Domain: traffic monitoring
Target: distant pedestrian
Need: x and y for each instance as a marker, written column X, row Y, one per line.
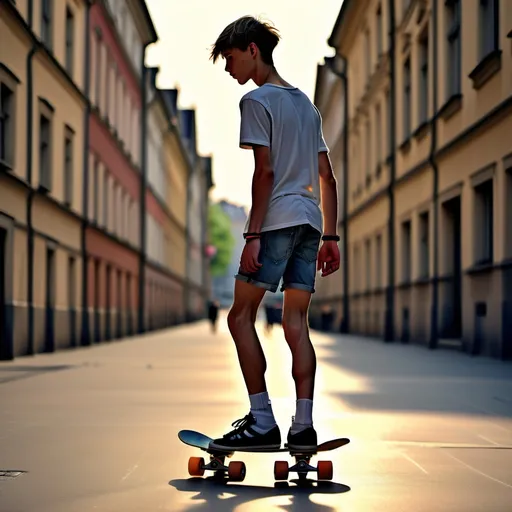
column 213, row 314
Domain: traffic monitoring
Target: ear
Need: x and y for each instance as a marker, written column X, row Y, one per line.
column 253, row 49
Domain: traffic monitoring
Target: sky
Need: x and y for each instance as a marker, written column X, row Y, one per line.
column 188, row 28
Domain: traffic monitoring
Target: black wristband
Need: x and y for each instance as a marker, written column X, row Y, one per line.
column 328, row 238
column 252, row 235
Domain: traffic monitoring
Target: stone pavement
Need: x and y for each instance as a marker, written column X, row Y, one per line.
column 95, row 428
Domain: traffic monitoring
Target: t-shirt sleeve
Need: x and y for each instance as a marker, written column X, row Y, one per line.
column 255, row 124
column 322, row 146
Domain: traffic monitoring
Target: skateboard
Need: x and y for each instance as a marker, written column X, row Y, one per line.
column 236, row 470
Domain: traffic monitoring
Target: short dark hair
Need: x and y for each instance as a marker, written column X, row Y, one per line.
column 244, row 31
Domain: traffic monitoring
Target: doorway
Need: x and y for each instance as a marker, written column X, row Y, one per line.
column 4, row 349
column 452, row 300
column 50, row 301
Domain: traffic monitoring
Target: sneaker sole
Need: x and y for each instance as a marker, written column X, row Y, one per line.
column 259, row 448
column 297, row 448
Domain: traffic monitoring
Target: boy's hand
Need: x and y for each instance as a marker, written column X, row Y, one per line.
column 328, row 258
column 249, row 259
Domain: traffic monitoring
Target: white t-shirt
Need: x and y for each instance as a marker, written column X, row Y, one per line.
column 286, row 121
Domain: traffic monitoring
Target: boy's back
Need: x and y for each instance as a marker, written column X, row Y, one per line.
column 285, row 120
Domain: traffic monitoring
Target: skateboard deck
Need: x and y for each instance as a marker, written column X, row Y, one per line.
column 236, row 470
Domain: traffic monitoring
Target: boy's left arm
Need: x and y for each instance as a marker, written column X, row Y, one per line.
column 255, row 134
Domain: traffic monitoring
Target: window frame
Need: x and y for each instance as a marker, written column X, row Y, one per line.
column 69, row 41
column 45, row 110
column 68, row 168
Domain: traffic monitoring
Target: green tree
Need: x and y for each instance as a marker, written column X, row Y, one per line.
column 221, row 237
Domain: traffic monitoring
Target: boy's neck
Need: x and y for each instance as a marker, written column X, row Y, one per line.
column 269, row 75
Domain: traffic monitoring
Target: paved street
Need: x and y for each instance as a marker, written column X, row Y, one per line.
column 95, row 429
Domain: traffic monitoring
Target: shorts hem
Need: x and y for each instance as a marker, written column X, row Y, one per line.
column 260, row 284
column 298, row 286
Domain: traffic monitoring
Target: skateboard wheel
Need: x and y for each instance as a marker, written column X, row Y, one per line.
column 324, row 470
column 236, row 471
column 281, row 470
column 195, row 466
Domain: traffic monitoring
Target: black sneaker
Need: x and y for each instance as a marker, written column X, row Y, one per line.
column 244, row 437
column 304, row 440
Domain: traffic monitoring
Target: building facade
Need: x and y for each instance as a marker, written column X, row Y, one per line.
column 169, row 171
column 89, row 247
column 43, row 109
column 118, row 35
column 199, row 184
column 417, row 105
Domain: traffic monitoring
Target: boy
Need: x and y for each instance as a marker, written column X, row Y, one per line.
column 292, row 168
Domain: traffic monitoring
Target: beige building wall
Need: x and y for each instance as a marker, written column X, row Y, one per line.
column 177, row 172
column 56, row 169
column 471, row 152
column 14, row 47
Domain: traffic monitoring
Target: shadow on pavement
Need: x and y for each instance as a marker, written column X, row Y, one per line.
column 8, row 373
column 397, row 377
column 217, row 492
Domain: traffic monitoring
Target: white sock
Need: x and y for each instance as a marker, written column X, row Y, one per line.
column 303, row 416
column 261, row 409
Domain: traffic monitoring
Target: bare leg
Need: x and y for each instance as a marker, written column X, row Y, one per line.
column 241, row 320
column 296, row 331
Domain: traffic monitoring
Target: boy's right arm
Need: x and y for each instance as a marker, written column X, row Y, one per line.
column 329, row 194
column 329, row 255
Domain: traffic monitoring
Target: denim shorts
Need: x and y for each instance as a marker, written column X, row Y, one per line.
column 289, row 254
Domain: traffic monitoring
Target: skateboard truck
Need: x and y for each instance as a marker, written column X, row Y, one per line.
column 302, row 466
column 236, row 469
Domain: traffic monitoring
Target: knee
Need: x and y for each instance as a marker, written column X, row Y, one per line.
column 239, row 318
column 294, row 324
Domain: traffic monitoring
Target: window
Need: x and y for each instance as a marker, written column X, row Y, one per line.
column 368, row 56
column 424, row 262
column 68, row 166
column 46, row 22
column 378, row 261
column 106, row 188
column 45, row 176
column 488, row 27
column 388, row 123
column 407, row 100
column 379, row 31
column 484, row 222
column 107, row 83
column 454, row 61
column 114, row 207
column 6, row 125
column 378, row 134
column 113, row 96
column 406, row 251
column 95, row 192
column 423, row 79
column 70, row 39
column 131, row 221
column 369, row 153
column 122, row 218
column 119, row 108
column 368, row 262
column 97, row 85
